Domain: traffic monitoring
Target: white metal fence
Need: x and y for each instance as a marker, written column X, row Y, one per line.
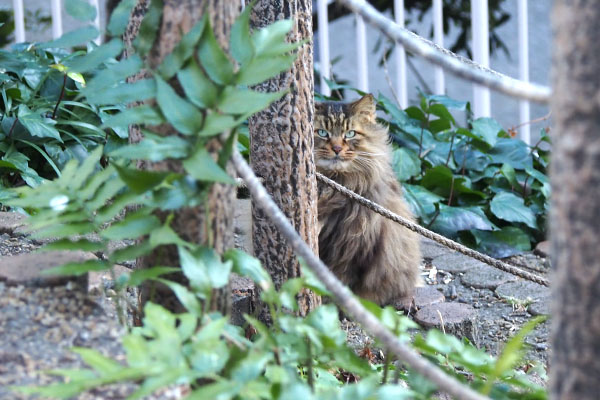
column 480, row 46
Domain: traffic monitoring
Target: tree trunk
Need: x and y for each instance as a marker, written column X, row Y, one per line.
column 211, row 224
column 281, row 141
column 575, row 215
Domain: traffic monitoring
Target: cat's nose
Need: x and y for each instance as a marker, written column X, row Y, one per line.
column 336, row 148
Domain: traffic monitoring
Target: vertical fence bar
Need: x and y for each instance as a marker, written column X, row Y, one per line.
column 400, row 57
column 56, row 10
column 323, row 45
column 524, row 113
column 96, row 4
column 19, row 21
column 438, row 37
column 481, row 54
column 361, row 52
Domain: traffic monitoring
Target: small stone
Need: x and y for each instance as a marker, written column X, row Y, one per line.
column 522, row 290
column 542, row 249
column 26, row 269
column 427, row 295
column 486, row 277
column 456, row 263
column 458, row 319
column 431, row 249
column 10, row 221
column 540, row 307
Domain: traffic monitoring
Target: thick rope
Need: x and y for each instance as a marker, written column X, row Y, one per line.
column 432, row 235
column 459, row 66
column 342, row 295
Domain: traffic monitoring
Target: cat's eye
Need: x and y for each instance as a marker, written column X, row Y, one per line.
column 350, row 134
column 322, row 133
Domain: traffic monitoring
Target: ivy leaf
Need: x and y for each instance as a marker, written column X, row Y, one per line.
column 421, row 201
column 81, row 10
column 36, row 125
column 245, row 101
column 487, row 129
column 204, row 168
column 405, row 163
column 197, row 87
column 512, row 151
column 441, row 111
column 502, row 243
column 213, row 59
column 511, row 208
column 182, row 115
column 452, row 220
column 509, row 173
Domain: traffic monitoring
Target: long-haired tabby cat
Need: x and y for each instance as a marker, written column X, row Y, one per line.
column 376, row 257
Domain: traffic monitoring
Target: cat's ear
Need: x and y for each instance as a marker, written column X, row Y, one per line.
column 365, row 107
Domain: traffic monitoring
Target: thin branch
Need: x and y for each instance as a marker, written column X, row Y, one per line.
column 453, row 63
column 342, row 295
column 62, row 93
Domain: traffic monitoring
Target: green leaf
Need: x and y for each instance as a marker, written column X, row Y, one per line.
column 440, row 180
column 251, row 367
column 269, row 40
column 36, row 125
column 142, row 114
column 140, row 275
column 81, row 244
column 213, row 59
column 241, row 45
column 503, row 243
column 218, row 123
column 96, row 57
column 73, row 38
column 80, row 9
column 246, row 265
column 197, row 87
column 132, row 227
column 405, row 163
column 113, row 74
column 451, row 220
column 166, row 235
column 154, row 148
column 511, row 208
column 124, row 93
column 148, row 28
column 86, row 168
column 194, row 269
column 97, row 361
column 421, row 201
column 246, row 101
column 182, row 115
column 78, row 268
column 186, row 297
column 120, row 17
column 203, row 167
column 511, row 353
column 509, row 173
column 183, row 51
column 441, row 111
column 487, row 129
column 139, row 180
column 512, row 151
column 448, row 102
column 262, row 68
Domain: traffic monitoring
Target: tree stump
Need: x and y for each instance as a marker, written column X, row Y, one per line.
column 457, row 319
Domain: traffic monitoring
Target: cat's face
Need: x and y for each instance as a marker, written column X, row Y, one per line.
column 347, row 135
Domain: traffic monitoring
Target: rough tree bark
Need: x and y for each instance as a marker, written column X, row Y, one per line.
column 575, row 215
column 281, row 140
column 212, row 223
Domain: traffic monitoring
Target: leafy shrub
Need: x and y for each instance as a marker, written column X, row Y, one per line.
column 297, row 357
column 45, row 118
column 475, row 184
